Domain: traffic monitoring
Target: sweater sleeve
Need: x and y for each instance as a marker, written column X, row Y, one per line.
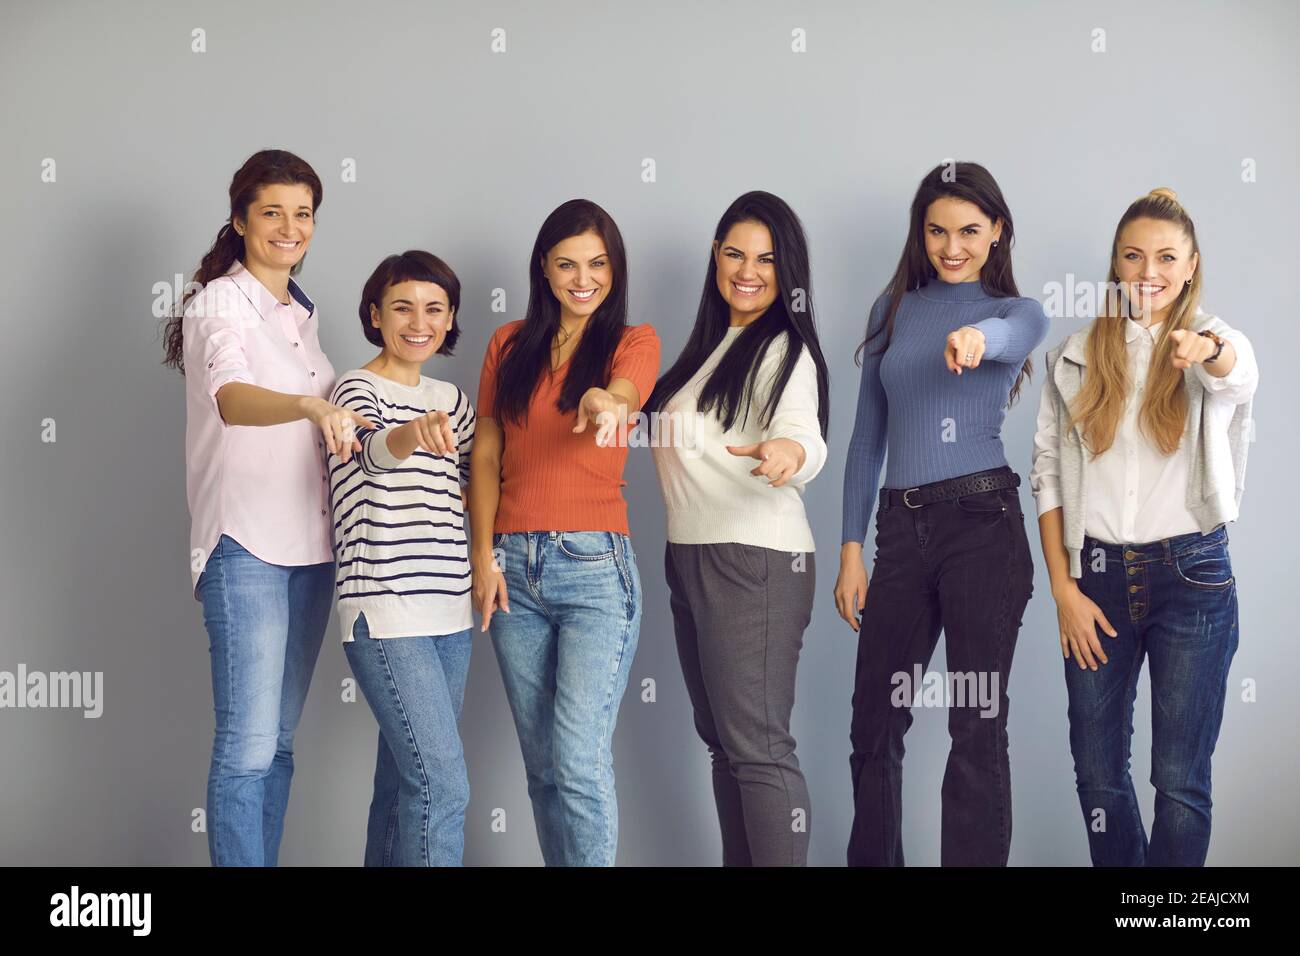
column 1013, row 338
column 1045, row 475
column 463, row 420
column 357, row 394
column 796, row 416
column 867, row 446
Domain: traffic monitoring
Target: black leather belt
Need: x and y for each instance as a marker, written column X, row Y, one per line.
column 972, row 484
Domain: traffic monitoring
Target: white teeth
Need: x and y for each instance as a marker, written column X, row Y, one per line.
column 953, row 262
column 416, row 339
column 747, row 289
column 582, row 295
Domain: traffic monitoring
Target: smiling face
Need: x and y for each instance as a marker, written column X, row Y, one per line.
column 278, row 227
column 746, row 267
column 580, row 274
column 1153, row 262
column 958, row 237
column 413, row 319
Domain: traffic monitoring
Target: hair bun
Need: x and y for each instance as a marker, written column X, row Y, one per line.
column 1165, row 193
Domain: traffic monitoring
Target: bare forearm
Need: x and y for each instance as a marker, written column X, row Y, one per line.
column 402, row 440
column 1227, row 361
column 484, row 496
column 245, row 404
column 1051, row 530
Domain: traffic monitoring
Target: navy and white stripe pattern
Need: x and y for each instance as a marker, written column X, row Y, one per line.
column 401, row 553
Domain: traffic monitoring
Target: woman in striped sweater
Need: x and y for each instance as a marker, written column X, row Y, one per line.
column 403, row 564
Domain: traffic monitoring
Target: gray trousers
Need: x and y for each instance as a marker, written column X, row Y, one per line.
column 739, row 613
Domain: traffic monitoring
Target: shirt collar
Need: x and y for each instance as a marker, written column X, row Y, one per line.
column 1132, row 330
column 262, row 298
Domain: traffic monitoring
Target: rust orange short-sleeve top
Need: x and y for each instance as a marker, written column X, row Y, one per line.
column 551, row 478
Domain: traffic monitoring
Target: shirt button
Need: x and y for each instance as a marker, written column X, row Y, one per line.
column 322, row 512
column 295, row 344
column 313, row 374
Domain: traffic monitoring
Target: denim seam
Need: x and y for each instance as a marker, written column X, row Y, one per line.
column 229, row 684
column 1004, row 631
column 419, row 759
column 606, row 754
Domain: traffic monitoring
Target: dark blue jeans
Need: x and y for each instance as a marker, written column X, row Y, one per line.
column 962, row 566
column 1175, row 603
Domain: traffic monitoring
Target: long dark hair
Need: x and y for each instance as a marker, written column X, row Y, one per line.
column 265, row 168
column 974, row 184
column 526, row 354
column 730, row 387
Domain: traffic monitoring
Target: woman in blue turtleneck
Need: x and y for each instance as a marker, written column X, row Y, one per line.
column 947, row 349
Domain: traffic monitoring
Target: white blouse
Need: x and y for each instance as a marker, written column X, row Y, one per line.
column 1135, row 494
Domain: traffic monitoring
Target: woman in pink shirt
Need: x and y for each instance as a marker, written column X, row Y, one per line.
column 257, row 429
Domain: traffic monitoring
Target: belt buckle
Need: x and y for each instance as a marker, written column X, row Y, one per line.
column 908, row 492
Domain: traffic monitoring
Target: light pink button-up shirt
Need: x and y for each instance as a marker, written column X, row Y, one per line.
column 265, row 486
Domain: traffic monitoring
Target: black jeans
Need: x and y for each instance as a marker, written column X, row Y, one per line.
column 962, row 565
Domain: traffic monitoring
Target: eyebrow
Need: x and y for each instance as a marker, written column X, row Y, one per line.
column 1165, row 249
column 409, row 302
column 603, row 255
column 969, row 225
column 742, row 251
column 276, row 205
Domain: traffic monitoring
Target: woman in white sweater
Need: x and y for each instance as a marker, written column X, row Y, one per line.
column 738, row 429
column 1139, row 463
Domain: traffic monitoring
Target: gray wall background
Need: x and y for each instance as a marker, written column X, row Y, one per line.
column 463, row 152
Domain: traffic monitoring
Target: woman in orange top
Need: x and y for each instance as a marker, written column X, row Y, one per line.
column 555, row 577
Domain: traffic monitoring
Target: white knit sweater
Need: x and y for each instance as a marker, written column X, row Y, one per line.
column 709, row 493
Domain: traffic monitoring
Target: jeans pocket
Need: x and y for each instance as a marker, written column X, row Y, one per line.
column 1209, row 569
column 587, row 545
column 984, row 502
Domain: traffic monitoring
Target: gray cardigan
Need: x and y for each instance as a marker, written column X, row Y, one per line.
column 1209, row 504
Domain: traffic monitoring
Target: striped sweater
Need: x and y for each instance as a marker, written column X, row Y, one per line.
column 399, row 524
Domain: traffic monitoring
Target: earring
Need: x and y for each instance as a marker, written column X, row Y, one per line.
column 995, row 243
column 1188, row 282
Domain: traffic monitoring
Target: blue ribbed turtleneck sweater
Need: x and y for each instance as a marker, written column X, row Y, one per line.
column 935, row 424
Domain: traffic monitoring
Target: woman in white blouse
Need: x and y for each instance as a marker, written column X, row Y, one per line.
column 1139, row 463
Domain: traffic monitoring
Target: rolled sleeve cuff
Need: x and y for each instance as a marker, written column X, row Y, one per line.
column 1047, row 497
column 377, row 451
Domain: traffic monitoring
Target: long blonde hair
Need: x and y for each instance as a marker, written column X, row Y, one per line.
column 1104, row 393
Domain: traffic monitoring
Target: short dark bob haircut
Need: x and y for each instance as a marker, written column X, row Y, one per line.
column 414, row 265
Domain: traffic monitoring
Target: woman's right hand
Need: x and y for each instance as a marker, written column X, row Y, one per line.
column 851, row 585
column 1078, row 616
column 489, row 587
column 337, row 425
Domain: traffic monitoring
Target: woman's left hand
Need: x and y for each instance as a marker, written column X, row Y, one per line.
column 966, row 341
column 602, row 409
column 779, row 458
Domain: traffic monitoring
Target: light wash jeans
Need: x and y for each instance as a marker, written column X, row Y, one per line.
column 265, row 623
column 415, row 687
column 565, row 650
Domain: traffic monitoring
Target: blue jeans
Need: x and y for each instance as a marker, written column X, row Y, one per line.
column 265, row 623
column 565, row 650
column 1174, row 602
column 415, row 687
